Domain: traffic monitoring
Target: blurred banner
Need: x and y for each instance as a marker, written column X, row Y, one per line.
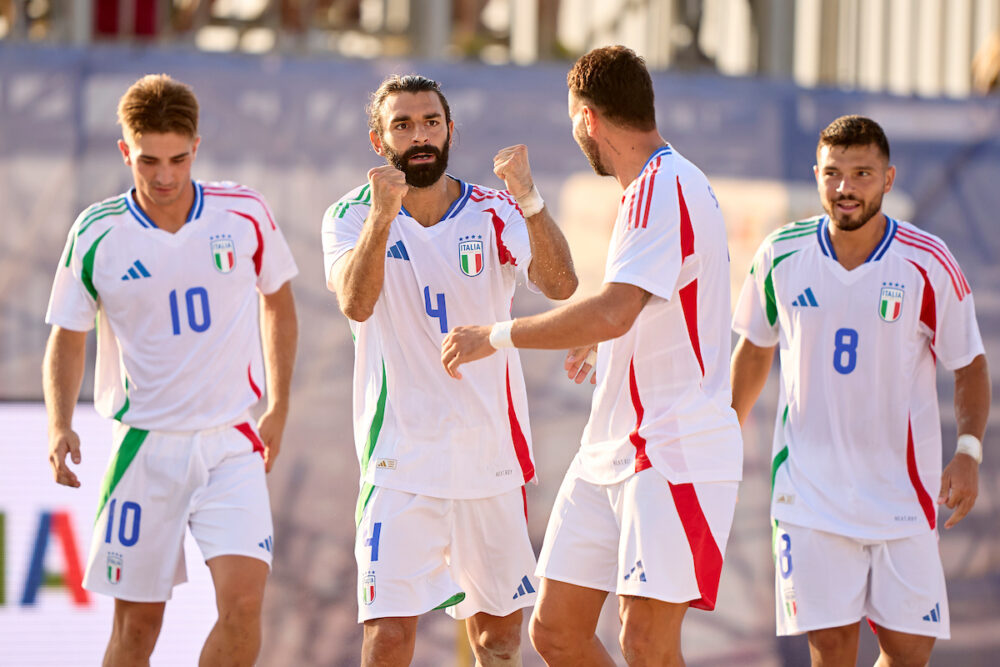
column 296, row 130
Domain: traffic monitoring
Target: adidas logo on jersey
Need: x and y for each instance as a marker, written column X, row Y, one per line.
column 524, row 588
column 934, row 616
column 806, row 299
column 267, row 544
column 136, row 271
column 398, row 250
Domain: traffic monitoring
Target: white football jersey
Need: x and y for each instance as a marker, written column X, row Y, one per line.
column 178, row 339
column 857, row 439
column 663, row 395
column 416, row 428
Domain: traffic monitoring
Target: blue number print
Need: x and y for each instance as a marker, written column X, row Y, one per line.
column 785, row 556
column 128, row 523
column 845, row 342
column 197, row 321
column 440, row 312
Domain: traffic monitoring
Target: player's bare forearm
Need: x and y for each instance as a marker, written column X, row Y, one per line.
column 280, row 336
column 551, row 265
column 608, row 314
column 750, row 367
column 972, row 397
column 360, row 273
column 62, row 374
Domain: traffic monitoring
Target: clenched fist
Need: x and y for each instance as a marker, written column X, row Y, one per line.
column 511, row 166
column 388, row 189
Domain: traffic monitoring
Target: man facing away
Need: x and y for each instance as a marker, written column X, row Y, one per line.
column 646, row 506
column 863, row 307
column 171, row 271
column 441, row 517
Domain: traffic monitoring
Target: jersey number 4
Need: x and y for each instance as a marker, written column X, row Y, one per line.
column 196, row 306
column 441, row 313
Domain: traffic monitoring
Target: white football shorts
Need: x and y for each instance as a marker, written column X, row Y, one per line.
column 642, row 536
column 158, row 484
column 824, row 580
column 417, row 553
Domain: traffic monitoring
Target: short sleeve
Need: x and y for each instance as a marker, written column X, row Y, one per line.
column 71, row 304
column 751, row 318
column 957, row 339
column 341, row 229
column 646, row 245
column 513, row 240
column 277, row 264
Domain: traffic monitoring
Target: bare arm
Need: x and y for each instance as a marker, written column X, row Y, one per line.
column 606, row 315
column 357, row 277
column 750, row 367
column 960, row 479
column 551, row 265
column 279, row 329
column 62, row 374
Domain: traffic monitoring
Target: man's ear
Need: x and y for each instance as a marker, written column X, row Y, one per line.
column 376, row 142
column 123, row 149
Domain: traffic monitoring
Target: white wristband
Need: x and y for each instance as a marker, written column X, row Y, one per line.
column 969, row 444
column 531, row 203
column 500, row 334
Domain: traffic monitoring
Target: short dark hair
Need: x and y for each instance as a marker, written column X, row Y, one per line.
column 158, row 104
column 616, row 81
column 854, row 131
column 411, row 83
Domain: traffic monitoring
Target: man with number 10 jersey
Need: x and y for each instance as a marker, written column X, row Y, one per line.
column 170, row 273
column 441, row 514
column 862, row 308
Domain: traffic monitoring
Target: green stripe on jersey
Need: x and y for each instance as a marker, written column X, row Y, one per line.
column 771, row 303
column 121, row 413
column 364, row 197
column 87, row 276
column 119, row 464
column 452, row 601
column 779, row 458
column 794, row 231
column 366, row 456
column 102, row 211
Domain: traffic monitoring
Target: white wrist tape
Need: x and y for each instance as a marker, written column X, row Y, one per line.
column 500, row 334
column 591, row 358
column 969, row 444
column 531, row 203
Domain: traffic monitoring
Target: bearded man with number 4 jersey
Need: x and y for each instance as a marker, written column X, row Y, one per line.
column 862, row 307
column 645, row 509
column 171, row 271
column 441, row 514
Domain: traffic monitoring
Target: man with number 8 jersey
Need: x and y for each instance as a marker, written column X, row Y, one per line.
column 863, row 308
column 415, row 251
column 170, row 273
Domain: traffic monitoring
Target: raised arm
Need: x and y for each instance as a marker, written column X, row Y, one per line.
column 62, row 374
column 357, row 277
column 960, row 479
column 551, row 267
column 279, row 332
column 606, row 315
column 750, row 367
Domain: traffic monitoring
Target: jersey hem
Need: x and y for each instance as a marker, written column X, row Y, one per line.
column 752, row 336
column 446, row 495
column 642, row 283
column 822, row 526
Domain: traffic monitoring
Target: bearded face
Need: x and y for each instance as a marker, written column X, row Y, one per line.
column 423, row 165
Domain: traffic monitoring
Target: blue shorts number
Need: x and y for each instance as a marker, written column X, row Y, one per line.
column 198, row 321
column 440, row 312
column 845, row 350
column 128, row 523
column 785, row 556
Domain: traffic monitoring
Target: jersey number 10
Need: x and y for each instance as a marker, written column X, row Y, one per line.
column 198, row 316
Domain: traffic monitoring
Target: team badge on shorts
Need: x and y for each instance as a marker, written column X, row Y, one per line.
column 368, row 588
column 890, row 302
column 114, row 567
column 223, row 253
column 470, row 255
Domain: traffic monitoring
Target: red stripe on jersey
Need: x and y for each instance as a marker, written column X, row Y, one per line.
column 911, row 467
column 502, row 251
column 633, row 213
column 524, row 498
column 258, row 254
column 928, row 309
column 639, row 442
column 704, row 551
column 649, row 193
column 245, row 193
column 253, row 385
column 517, row 436
column 689, row 293
column 957, row 279
column 248, row 431
column 945, row 255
